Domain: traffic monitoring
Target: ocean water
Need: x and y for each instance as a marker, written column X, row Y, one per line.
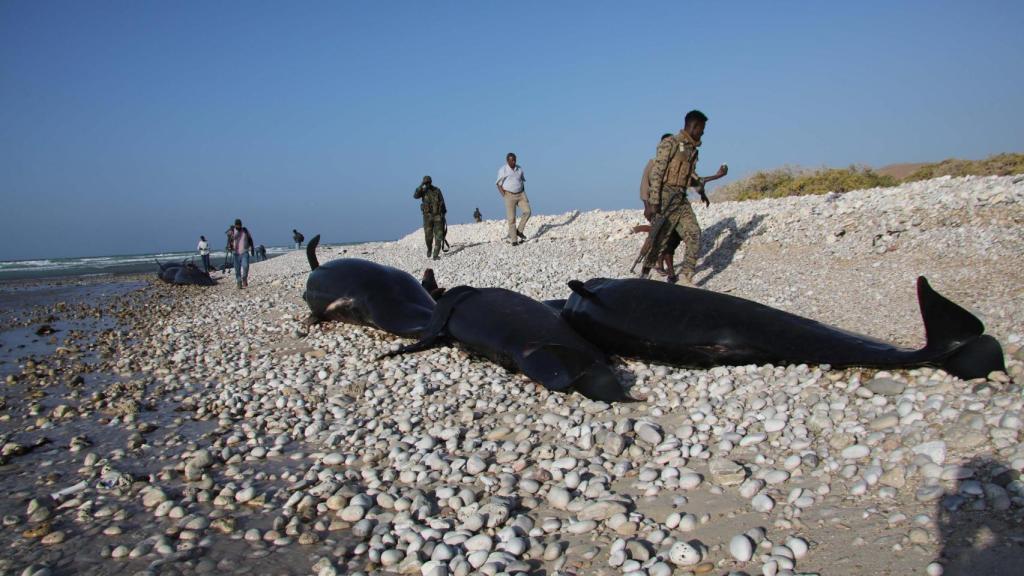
column 105, row 265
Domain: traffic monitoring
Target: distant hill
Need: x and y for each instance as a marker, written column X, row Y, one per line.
column 795, row 181
column 901, row 171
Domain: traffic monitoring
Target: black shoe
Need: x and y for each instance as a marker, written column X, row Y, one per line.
column 437, row 257
column 521, row 235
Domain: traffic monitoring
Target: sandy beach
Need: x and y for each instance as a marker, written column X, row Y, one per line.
column 166, row 430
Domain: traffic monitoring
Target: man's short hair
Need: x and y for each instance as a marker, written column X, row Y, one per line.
column 695, row 116
column 666, row 135
column 510, row 155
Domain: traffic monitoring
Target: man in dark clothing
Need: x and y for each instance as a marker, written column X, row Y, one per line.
column 434, row 210
column 477, row 215
column 298, row 238
column 229, row 250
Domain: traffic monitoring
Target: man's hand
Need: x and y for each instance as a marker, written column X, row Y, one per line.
column 704, row 197
column 650, row 211
column 722, row 170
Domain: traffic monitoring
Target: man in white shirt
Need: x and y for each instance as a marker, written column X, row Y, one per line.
column 512, row 187
column 204, row 253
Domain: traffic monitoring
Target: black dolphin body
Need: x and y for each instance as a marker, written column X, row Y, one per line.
column 663, row 322
column 184, row 274
column 521, row 334
column 361, row 292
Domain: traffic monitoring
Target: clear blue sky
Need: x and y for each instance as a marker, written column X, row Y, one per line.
column 136, row 126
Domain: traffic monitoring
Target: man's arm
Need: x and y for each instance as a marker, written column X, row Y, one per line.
column 722, row 171
column 501, row 178
column 418, row 193
column 658, row 173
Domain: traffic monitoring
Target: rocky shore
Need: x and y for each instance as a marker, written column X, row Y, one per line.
column 211, row 431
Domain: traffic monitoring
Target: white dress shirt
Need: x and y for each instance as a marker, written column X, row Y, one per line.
column 511, row 180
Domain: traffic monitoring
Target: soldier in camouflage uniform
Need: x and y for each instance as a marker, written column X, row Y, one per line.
column 673, row 171
column 434, row 210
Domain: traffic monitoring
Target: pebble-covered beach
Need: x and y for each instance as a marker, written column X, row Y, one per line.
column 211, row 431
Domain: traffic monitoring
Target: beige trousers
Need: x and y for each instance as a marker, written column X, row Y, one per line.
column 511, row 202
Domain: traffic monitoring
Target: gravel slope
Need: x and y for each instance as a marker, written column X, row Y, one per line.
column 282, row 449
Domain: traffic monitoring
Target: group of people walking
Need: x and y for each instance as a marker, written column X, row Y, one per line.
column 666, row 179
column 511, row 185
column 239, row 250
column 663, row 187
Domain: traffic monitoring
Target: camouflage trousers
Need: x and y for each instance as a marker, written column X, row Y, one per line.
column 680, row 226
column 433, row 233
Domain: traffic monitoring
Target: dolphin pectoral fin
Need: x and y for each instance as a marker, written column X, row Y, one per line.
column 600, row 382
column 561, row 368
column 425, row 344
column 956, row 336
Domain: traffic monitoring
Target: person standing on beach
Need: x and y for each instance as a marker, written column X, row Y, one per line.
column 243, row 243
column 298, row 238
column 477, row 216
column 434, row 210
column 645, row 186
column 511, row 185
column 673, row 171
column 204, row 253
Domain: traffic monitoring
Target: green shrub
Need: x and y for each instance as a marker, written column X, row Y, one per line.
column 796, row 182
column 998, row 165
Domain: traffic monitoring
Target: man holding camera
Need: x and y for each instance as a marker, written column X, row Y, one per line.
column 434, row 210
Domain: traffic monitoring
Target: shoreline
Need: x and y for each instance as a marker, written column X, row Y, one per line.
column 222, row 434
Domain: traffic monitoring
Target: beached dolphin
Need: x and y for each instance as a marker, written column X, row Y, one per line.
column 663, row 322
column 184, row 274
column 361, row 292
column 521, row 334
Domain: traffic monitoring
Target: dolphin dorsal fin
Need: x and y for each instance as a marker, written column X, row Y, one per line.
column 311, row 253
column 578, row 287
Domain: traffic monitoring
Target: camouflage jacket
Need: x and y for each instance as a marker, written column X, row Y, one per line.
column 674, row 166
column 432, row 200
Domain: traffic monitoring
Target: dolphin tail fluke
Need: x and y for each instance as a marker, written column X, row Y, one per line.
column 578, row 287
column 957, row 336
column 311, row 253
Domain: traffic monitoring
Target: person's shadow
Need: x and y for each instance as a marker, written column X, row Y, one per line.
column 722, row 251
column 548, row 227
column 980, row 528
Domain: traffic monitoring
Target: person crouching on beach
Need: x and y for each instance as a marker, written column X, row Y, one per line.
column 204, row 253
column 242, row 240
